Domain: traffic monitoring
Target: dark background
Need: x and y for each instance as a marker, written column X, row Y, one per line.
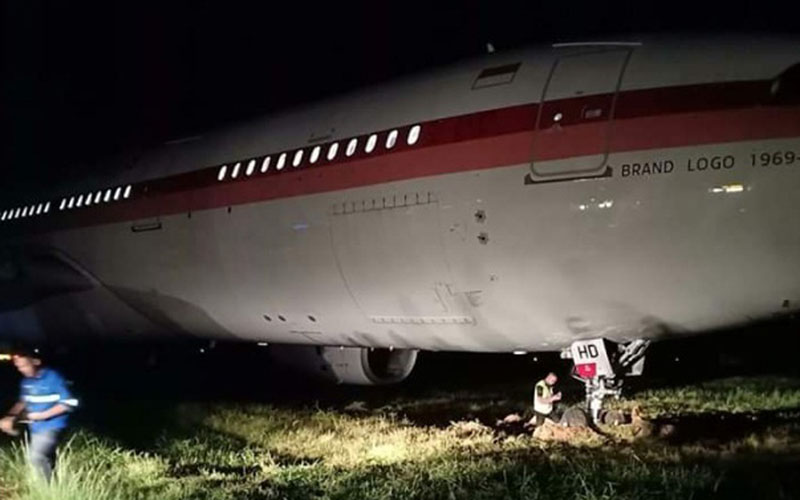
column 82, row 81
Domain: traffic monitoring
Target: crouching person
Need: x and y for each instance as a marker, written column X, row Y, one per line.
column 45, row 403
column 545, row 399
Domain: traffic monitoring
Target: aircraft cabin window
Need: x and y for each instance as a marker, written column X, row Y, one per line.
column 3, row 217
column 413, row 135
column 371, row 142
column 127, row 193
column 281, row 161
column 39, row 209
column 332, row 150
column 250, row 168
column 315, row 154
column 47, row 207
column 298, row 157
column 107, row 196
column 265, row 164
column 71, row 202
column 222, row 171
column 25, row 211
column 63, row 204
column 98, row 196
column 235, row 172
column 88, row 199
column 79, row 203
column 117, row 193
column 391, row 139
column 351, row 147
column 17, row 213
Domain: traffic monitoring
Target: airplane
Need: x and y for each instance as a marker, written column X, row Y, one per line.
column 587, row 198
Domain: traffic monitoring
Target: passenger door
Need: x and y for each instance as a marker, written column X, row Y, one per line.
column 573, row 125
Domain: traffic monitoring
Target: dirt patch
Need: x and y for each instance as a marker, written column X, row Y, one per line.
column 468, row 428
column 553, row 432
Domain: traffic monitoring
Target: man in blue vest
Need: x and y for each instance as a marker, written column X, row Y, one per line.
column 45, row 403
column 544, row 398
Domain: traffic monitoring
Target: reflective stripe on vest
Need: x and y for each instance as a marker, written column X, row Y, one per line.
column 547, row 392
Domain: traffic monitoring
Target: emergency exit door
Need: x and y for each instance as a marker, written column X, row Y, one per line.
column 573, row 126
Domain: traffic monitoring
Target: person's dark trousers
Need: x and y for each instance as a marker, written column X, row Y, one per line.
column 554, row 415
column 42, row 452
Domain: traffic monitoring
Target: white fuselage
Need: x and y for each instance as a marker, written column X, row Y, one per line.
column 661, row 201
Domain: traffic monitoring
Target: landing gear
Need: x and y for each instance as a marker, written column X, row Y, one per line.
column 602, row 365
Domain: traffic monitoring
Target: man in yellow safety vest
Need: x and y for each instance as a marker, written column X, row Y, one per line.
column 544, row 398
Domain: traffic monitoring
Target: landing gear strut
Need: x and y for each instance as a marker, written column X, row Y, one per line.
column 602, row 365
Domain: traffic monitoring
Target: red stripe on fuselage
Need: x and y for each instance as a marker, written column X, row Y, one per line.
column 645, row 119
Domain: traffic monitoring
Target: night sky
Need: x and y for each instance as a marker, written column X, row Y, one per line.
column 84, row 81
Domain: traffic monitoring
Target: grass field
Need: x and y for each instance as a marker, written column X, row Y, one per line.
column 731, row 438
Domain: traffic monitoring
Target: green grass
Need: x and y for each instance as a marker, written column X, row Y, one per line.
column 265, row 452
column 732, row 395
